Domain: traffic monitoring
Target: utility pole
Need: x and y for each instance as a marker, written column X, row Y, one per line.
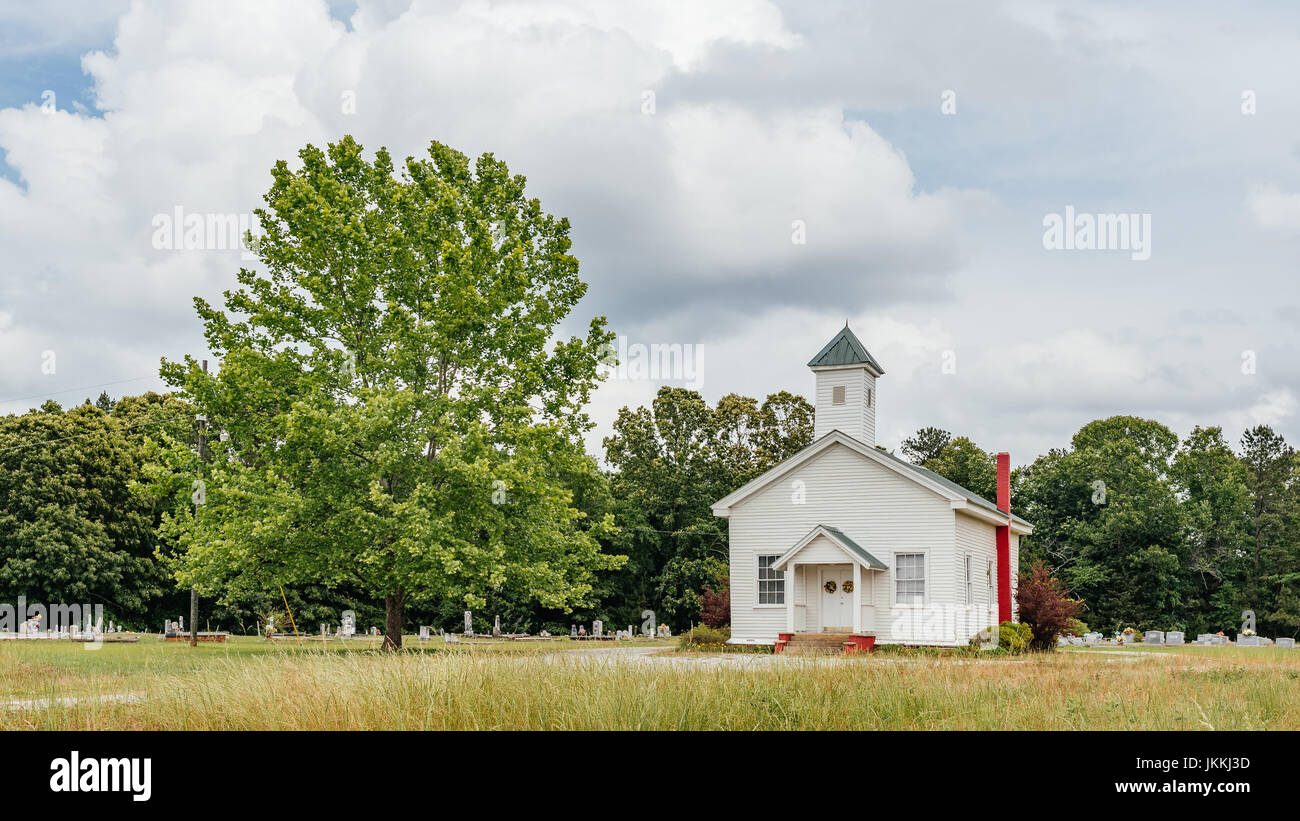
column 194, row 591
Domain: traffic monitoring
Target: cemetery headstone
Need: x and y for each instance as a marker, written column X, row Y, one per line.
column 573, row 631
column 349, row 625
column 424, row 632
column 469, row 623
column 1154, row 637
column 1205, row 638
column 597, row 628
column 1286, row 643
column 496, row 626
column 1175, row 637
column 1249, row 641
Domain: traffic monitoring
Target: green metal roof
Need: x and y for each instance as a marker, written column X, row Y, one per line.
column 855, row 547
column 845, row 349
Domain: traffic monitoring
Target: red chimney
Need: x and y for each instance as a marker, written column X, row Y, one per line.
column 1004, row 538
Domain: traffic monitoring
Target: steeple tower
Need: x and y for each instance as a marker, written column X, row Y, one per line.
column 846, row 388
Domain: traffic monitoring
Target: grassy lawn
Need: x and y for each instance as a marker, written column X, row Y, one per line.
column 251, row 684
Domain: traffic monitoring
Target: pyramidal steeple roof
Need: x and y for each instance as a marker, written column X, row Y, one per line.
column 845, row 349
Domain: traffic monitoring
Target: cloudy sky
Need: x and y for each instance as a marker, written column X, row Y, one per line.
column 917, row 150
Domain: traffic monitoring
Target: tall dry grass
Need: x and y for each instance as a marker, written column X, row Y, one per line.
column 1239, row 689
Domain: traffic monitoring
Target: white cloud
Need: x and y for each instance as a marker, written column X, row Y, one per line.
column 1274, row 209
column 683, row 218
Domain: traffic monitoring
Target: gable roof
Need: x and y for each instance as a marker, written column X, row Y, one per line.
column 845, row 349
column 855, row 550
column 955, row 493
column 970, row 496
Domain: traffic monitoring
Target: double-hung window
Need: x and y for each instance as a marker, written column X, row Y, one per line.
column 909, row 578
column 771, row 583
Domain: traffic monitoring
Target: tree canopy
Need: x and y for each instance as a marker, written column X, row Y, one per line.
column 392, row 408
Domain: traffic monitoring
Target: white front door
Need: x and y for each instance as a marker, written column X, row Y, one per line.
column 836, row 602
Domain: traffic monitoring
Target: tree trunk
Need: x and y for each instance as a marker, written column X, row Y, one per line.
column 393, row 608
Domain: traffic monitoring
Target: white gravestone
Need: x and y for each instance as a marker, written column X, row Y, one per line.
column 469, row 623
column 496, row 626
column 1154, row 637
column 597, row 628
column 424, row 632
column 1285, row 643
column 1175, row 637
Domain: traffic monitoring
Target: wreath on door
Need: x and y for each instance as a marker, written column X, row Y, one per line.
column 829, row 587
column 848, row 586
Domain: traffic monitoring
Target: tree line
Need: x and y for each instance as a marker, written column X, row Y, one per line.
column 1147, row 530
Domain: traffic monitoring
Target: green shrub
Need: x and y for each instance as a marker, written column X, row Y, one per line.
column 701, row 636
column 1014, row 637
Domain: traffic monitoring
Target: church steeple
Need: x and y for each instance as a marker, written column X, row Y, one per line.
column 846, row 388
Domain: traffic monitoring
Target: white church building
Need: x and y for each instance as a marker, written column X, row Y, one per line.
column 845, row 540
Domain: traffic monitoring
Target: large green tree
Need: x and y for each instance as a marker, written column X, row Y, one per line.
column 1212, row 486
column 1109, row 520
column 1272, row 545
column 73, row 527
column 393, row 411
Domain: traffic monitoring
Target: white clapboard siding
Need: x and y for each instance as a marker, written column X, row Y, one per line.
column 857, row 416
column 978, row 539
column 879, row 509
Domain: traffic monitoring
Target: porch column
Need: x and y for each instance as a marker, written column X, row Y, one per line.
column 857, row 598
column 789, row 597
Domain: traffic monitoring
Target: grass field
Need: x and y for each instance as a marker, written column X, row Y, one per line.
column 250, row 684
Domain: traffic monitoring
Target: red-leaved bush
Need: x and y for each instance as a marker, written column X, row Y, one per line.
column 1045, row 605
column 715, row 604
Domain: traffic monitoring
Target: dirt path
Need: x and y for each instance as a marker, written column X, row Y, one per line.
column 71, row 701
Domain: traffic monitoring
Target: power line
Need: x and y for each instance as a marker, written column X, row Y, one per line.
column 74, row 390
